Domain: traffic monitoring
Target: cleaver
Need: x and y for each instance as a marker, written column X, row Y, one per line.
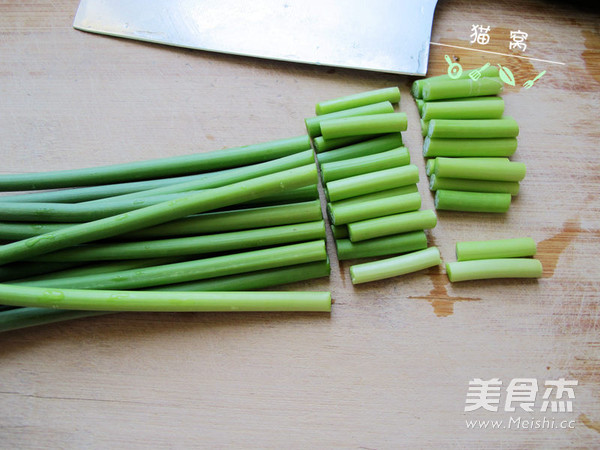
column 379, row 35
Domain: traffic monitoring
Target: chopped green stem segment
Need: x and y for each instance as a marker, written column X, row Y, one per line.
column 461, row 184
column 190, row 246
column 448, row 89
column 491, row 202
column 361, row 125
column 222, row 301
column 243, row 219
column 255, row 280
column 497, row 169
column 323, row 145
column 372, row 182
column 424, row 127
column 390, row 94
column 430, row 166
column 389, row 245
column 431, row 162
column 370, row 147
column 339, row 231
column 388, row 193
column 156, row 168
column 394, row 224
column 471, row 108
column 492, row 147
column 313, row 124
column 343, row 214
column 395, row 266
column 494, row 268
column 223, row 178
column 473, row 129
column 420, row 104
column 497, row 248
column 163, row 212
column 201, row 269
column 417, row 87
column 371, row 163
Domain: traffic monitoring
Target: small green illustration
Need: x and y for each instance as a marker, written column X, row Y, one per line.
column 506, row 75
column 454, row 68
column 475, row 74
column 530, row 83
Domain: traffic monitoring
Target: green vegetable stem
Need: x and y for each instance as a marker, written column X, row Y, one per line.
column 448, row 89
column 370, row 147
column 365, row 124
column 461, row 184
column 417, row 86
column 371, row 163
column 473, row 129
column 258, row 279
column 372, row 182
column 210, row 222
column 323, row 145
column 496, row 248
column 424, row 127
column 339, row 231
column 191, row 246
column 232, row 220
column 313, row 124
column 217, row 301
column 430, row 166
column 497, row 169
column 469, row 108
column 84, row 194
column 31, row 316
column 390, row 94
column 163, row 212
column 494, row 268
column 346, row 213
column 388, row 245
column 181, row 272
column 493, row 147
column 223, row 178
column 156, row 168
column 393, row 224
column 395, row 266
column 491, row 202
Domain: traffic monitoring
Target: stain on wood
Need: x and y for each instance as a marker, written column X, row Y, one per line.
column 591, row 54
column 592, row 425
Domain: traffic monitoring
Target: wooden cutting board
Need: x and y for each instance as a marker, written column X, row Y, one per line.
column 390, row 367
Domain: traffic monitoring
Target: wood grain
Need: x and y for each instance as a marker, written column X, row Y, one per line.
column 390, row 366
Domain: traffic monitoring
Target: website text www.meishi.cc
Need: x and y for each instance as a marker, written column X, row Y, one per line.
column 520, row 423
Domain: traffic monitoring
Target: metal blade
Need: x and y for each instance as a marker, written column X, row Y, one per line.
column 380, row 35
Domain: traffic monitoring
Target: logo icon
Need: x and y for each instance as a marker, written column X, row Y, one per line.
column 475, row 74
column 506, row 75
column 530, row 83
column 454, row 68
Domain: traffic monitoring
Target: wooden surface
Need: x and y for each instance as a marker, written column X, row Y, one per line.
column 390, row 366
